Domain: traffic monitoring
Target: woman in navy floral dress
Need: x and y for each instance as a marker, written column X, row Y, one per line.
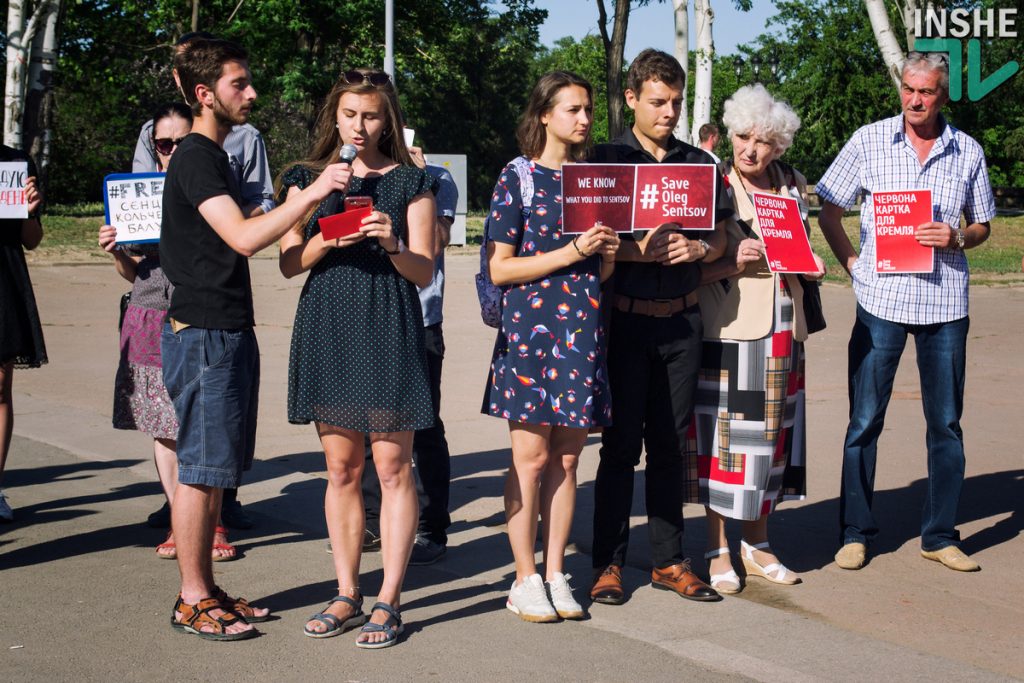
column 547, row 376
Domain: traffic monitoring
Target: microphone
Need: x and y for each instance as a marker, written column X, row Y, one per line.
column 347, row 154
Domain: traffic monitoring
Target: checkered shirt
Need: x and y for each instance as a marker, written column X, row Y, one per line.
column 879, row 158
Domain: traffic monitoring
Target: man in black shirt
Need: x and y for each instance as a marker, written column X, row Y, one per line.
column 654, row 348
column 210, row 357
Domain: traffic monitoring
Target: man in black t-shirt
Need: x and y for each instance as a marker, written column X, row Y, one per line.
column 209, row 351
column 654, row 349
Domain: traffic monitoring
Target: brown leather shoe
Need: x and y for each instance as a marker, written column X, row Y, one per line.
column 607, row 588
column 685, row 583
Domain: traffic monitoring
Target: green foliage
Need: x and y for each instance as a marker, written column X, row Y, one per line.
column 463, row 72
column 584, row 58
column 831, row 72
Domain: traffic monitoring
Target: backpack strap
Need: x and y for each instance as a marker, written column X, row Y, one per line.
column 521, row 165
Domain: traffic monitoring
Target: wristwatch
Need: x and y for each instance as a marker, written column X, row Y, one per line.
column 398, row 249
column 960, row 239
column 706, row 247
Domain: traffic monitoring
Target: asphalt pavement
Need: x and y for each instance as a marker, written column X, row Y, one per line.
column 85, row 598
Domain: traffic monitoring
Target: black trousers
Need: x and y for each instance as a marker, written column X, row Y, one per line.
column 652, row 371
column 430, row 458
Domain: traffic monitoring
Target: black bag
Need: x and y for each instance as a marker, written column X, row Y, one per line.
column 126, row 299
column 814, row 315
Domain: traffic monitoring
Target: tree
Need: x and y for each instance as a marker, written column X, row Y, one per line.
column 681, row 51
column 614, row 47
column 462, row 72
column 38, row 116
column 888, row 46
column 24, row 19
column 704, row 18
column 584, row 58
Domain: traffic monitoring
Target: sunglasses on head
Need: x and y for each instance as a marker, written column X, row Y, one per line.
column 374, row 78
column 166, row 145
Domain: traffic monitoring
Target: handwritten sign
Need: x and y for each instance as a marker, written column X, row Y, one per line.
column 782, row 230
column 628, row 197
column 13, row 176
column 897, row 215
column 597, row 192
column 133, row 203
column 675, row 193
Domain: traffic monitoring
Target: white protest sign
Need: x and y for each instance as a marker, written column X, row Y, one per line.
column 133, row 203
column 13, row 175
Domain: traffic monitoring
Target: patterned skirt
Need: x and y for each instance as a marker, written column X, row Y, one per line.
column 141, row 401
column 747, row 446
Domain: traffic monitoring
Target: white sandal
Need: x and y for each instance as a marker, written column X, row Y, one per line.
column 775, row 572
column 728, row 582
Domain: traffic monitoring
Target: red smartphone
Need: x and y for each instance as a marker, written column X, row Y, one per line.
column 348, row 221
column 358, row 203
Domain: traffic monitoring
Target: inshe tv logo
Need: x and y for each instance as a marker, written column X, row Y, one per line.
column 945, row 30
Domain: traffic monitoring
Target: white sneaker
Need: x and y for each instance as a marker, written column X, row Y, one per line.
column 6, row 513
column 561, row 597
column 530, row 602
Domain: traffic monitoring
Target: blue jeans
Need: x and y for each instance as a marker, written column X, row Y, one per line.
column 874, row 354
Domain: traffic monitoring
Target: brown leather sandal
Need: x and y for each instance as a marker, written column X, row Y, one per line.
column 195, row 617
column 239, row 606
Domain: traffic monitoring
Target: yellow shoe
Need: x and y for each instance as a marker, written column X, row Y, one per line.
column 952, row 557
column 852, row 556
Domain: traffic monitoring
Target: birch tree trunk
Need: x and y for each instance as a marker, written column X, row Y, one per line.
column 38, row 117
column 614, row 47
column 704, row 17
column 682, row 54
column 892, row 54
column 23, row 22
column 907, row 8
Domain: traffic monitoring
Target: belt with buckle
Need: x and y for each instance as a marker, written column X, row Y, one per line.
column 656, row 308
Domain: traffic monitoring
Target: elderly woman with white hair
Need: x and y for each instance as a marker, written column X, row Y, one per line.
column 748, row 432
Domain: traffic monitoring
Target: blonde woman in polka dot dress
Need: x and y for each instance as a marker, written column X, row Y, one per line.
column 358, row 361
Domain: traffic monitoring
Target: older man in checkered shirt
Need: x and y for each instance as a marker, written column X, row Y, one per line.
column 916, row 150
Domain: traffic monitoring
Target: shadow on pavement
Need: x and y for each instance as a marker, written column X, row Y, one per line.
column 808, row 536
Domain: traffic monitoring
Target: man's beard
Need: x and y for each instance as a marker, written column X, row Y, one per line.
column 223, row 116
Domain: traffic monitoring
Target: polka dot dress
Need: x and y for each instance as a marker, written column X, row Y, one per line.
column 358, row 359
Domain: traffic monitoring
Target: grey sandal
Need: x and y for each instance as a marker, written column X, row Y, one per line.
column 335, row 625
column 392, row 628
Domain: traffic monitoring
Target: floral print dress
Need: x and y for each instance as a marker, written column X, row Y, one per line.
column 548, row 366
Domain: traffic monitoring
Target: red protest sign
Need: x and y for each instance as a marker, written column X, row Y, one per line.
column 897, row 214
column 597, row 192
column 782, row 230
column 683, row 194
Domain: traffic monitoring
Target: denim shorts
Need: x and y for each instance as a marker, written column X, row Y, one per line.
column 213, row 378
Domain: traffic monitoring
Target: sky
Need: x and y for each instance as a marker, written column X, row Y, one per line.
column 653, row 25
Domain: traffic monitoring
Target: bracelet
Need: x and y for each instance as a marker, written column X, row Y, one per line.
column 578, row 250
column 398, row 248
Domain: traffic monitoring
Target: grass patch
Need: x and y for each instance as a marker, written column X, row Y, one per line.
column 999, row 255
column 72, row 229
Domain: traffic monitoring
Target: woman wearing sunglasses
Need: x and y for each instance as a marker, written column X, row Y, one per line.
column 358, row 360
column 140, row 398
